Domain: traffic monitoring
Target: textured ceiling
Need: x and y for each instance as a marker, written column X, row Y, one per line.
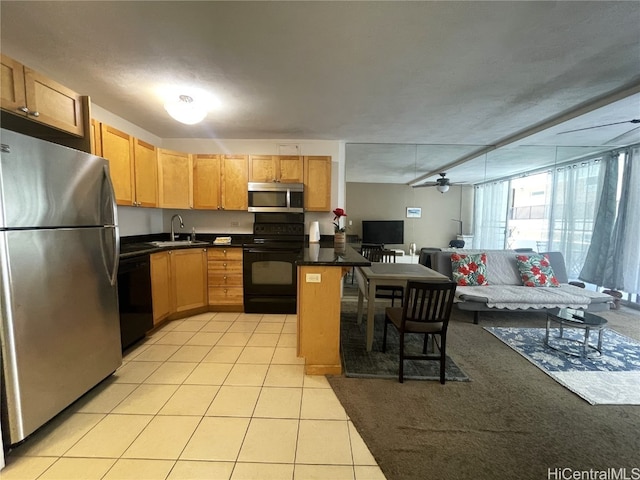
column 453, row 77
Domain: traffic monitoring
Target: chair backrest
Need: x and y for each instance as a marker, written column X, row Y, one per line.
column 427, row 302
column 425, row 255
column 383, row 256
column 367, row 248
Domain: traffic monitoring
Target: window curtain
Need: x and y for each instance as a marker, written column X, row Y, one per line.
column 490, row 215
column 631, row 240
column 573, row 210
column 603, row 265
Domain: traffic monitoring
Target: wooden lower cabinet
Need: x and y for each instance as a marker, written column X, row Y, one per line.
column 189, row 279
column 224, row 267
column 178, row 283
column 319, row 319
column 161, row 286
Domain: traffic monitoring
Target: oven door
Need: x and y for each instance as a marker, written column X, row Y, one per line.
column 270, row 279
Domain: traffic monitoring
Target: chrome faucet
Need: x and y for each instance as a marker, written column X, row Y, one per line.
column 173, row 233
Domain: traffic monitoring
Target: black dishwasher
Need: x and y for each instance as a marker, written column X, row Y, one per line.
column 134, row 298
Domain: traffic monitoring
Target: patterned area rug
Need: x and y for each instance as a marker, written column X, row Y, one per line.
column 377, row 364
column 610, row 378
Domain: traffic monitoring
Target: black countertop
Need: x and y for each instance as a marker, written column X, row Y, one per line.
column 138, row 245
column 314, row 254
column 327, row 255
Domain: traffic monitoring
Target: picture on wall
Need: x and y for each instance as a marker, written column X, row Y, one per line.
column 414, row 212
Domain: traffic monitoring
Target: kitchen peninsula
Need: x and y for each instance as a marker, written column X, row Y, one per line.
column 319, row 295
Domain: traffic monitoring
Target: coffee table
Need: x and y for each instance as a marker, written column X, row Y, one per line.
column 572, row 318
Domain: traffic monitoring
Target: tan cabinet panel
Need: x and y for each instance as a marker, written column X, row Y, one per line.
column 117, row 147
column 206, row 182
column 224, row 266
column 57, row 105
column 317, row 184
column 146, row 174
column 235, row 176
column 276, row 168
column 290, row 169
column 27, row 93
column 262, row 168
column 12, row 86
column 161, row 286
column 220, row 182
column 175, row 179
column 189, row 279
column 96, row 137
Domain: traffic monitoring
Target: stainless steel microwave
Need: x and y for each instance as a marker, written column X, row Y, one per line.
column 276, row 197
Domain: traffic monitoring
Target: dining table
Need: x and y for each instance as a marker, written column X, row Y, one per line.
column 392, row 274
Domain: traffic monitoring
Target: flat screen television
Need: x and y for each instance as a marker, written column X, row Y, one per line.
column 388, row 232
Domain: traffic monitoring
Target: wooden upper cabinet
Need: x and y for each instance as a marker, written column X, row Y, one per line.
column 146, row 174
column 262, row 168
column 206, row 182
column 317, row 184
column 95, row 137
column 276, row 168
column 175, row 179
column 12, row 88
column 290, row 169
column 220, row 182
column 117, row 148
column 235, row 176
column 27, row 93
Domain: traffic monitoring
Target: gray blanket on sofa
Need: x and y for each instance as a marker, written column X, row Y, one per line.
column 513, row 297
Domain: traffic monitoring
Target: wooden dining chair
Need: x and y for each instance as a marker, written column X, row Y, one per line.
column 426, row 311
column 366, row 250
column 387, row 291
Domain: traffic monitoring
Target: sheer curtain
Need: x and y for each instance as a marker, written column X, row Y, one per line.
column 490, row 215
column 598, row 255
column 613, row 260
column 631, row 261
column 573, row 210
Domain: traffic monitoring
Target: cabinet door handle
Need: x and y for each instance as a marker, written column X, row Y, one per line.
column 23, row 110
column 34, row 113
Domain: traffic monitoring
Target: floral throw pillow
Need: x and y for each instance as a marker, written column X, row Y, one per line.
column 469, row 269
column 536, row 271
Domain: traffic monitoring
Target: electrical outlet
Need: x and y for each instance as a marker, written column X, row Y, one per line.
column 235, row 224
column 314, row 278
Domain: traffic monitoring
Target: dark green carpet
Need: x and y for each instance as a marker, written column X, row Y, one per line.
column 378, row 364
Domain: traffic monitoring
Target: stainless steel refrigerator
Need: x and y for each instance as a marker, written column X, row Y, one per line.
column 59, row 249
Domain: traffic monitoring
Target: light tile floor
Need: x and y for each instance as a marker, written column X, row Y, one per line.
column 213, row 396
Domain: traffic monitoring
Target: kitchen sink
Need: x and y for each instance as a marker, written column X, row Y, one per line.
column 178, row 243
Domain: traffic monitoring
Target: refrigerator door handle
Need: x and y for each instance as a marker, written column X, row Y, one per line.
column 111, row 201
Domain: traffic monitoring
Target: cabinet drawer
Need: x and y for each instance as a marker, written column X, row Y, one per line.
column 225, row 279
column 225, row 295
column 225, row 267
column 225, row 254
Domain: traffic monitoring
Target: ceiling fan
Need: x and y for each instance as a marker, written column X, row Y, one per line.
column 442, row 184
column 634, row 120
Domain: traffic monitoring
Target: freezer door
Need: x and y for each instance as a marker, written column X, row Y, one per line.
column 60, row 324
column 47, row 185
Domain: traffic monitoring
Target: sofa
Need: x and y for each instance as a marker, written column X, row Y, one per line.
column 505, row 289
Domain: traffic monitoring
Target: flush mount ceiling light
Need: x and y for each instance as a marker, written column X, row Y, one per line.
column 185, row 109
